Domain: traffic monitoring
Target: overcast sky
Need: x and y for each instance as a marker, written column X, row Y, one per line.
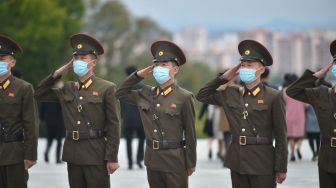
column 235, row 14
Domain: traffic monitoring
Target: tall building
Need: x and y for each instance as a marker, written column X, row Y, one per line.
column 292, row 52
column 194, row 41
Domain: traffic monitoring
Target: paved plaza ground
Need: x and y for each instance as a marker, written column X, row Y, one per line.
column 209, row 174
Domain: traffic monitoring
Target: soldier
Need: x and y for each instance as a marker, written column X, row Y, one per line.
column 168, row 117
column 256, row 115
column 90, row 112
column 323, row 100
column 18, row 120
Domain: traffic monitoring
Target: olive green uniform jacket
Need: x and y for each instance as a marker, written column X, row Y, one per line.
column 177, row 121
column 266, row 113
column 100, row 107
column 18, row 112
column 323, row 101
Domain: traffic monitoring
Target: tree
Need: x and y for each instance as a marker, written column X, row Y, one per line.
column 42, row 28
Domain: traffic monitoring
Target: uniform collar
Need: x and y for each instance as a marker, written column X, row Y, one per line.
column 165, row 91
column 254, row 91
column 6, row 83
column 86, row 84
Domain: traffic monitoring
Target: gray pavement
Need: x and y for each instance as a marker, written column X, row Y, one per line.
column 301, row 174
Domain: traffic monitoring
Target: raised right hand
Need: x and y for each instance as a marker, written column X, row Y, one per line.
column 231, row 73
column 64, row 69
column 146, row 71
column 323, row 72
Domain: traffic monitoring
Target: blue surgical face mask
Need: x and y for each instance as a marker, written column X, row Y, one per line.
column 333, row 70
column 247, row 75
column 3, row 68
column 161, row 74
column 80, row 67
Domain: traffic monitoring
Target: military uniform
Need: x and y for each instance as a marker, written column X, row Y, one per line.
column 168, row 118
column 256, row 117
column 323, row 100
column 91, row 118
column 18, row 124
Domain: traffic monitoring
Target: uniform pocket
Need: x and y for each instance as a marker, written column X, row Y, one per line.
column 69, row 98
column 144, row 105
column 95, row 100
column 260, row 107
column 234, row 105
column 173, row 112
column 324, row 107
column 12, row 101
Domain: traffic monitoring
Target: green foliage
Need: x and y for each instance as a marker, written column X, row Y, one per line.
column 42, row 28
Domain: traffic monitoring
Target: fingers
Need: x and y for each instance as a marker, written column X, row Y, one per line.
column 109, row 171
column 29, row 164
column 112, row 167
column 190, row 171
column 280, row 178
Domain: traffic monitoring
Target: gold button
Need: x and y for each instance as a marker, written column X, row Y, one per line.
column 254, row 129
column 246, row 105
column 0, row 87
column 81, row 98
column 334, row 130
column 83, row 86
column 243, row 129
column 162, row 133
column 249, row 93
column 157, row 105
column 78, row 122
column 162, row 93
column 155, row 130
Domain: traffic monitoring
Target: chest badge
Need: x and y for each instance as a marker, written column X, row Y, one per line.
column 173, row 105
column 11, row 94
column 260, row 101
column 95, row 93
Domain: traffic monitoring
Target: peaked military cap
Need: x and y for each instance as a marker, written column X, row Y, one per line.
column 83, row 44
column 8, row 46
column 333, row 49
column 251, row 50
column 167, row 51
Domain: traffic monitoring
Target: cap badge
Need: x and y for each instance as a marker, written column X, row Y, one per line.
column 160, row 53
column 79, row 46
column 0, row 46
column 247, row 52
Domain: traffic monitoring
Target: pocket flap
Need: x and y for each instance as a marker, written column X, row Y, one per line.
column 172, row 112
column 69, row 98
column 95, row 100
column 144, row 105
column 260, row 107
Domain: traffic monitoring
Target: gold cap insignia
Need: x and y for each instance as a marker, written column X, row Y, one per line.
column 160, row 53
column 247, row 52
column 79, row 46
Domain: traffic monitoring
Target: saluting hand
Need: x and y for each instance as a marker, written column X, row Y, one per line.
column 231, row 73
column 146, row 71
column 64, row 69
column 190, row 171
column 280, row 177
column 28, row 164
column 111, row 167
column 323, row 72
